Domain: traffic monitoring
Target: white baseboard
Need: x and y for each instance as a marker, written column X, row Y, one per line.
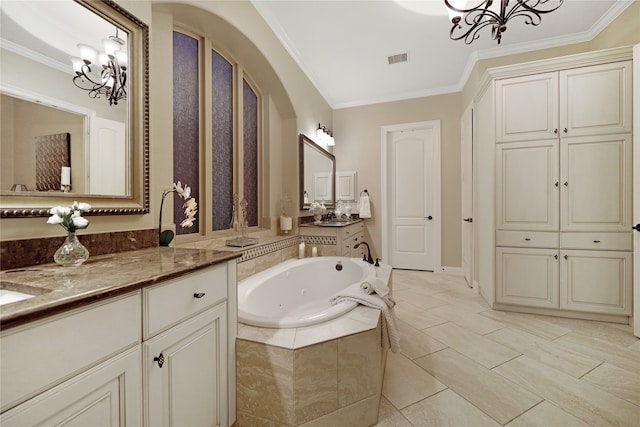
column 457, row 271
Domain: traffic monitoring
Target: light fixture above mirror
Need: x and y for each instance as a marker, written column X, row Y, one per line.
column 325, row 136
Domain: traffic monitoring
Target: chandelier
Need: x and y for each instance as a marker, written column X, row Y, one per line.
column 467, row 22
column 102, row 73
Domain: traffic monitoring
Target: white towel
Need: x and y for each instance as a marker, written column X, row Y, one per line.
column 390, row 334
column 373, row 284
column 364, row 207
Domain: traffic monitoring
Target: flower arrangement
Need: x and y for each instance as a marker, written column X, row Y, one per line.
column 190, row 210
column 70, row 218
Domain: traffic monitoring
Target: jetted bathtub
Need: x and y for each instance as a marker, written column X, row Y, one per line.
column 296, row 292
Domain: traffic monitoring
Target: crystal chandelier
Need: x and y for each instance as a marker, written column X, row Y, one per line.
column 468, row 21
column 108, row 76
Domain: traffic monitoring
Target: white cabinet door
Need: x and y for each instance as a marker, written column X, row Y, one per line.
column 527, row 108
column 596, row 100
column 596, row 176
column 186, row 372
column 526, row 276
column 106, row 395
column 596, row 281
column 527, row 186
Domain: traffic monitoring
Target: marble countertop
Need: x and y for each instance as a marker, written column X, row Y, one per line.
column 331, row 223
column 62, row 288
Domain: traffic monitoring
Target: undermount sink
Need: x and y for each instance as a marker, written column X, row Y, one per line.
column 14, row 292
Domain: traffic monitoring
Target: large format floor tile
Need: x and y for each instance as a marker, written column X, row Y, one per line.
column 488, row 367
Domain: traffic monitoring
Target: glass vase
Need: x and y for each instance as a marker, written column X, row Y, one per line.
column 72, row 253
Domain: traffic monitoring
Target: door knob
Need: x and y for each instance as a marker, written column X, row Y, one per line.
column 637, row 227
column 468, row 220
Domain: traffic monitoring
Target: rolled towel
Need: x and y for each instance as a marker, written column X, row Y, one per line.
column 366, row 288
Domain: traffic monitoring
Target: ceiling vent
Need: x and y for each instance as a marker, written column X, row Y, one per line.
column 401, row 57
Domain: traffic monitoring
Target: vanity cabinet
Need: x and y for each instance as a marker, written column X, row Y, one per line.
column 344, row 236
column 81, row 367
column 162, row 354
column 554, row 166
column 184, row 351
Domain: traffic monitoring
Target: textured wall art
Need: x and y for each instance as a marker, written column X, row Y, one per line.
column 52, row 153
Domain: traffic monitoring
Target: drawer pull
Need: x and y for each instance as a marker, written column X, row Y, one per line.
column 159, row 359
column 528, row 239
column 198, row 295
column 596, row 241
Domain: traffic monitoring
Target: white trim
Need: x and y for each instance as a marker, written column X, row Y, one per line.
column 384, row 132
column 37, row 57
column 456, row 271
column 636, row 189
column 554, row 64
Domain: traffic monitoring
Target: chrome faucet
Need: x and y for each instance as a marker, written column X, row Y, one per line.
column 367, row 257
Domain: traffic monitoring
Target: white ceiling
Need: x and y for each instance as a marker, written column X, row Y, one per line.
column 343, row 45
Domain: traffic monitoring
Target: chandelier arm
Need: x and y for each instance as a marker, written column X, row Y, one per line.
column 472, row 33
column 484, row 5
column 524, row 4
column 530, row 18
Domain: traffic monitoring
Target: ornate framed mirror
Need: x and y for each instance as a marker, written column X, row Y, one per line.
column 56, row 136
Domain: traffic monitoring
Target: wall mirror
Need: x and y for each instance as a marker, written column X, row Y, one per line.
column 317, row 174
column 53, row 132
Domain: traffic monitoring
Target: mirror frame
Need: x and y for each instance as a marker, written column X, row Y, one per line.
column 137, row 203
column 303, row 141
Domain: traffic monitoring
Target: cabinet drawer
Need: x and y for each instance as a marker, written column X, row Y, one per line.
column 173, row 301
column 352, row 229
column 44, row 353
column 597, row 241
column 523, row 239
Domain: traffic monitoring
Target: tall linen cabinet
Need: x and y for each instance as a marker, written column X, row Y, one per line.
column 554, row 186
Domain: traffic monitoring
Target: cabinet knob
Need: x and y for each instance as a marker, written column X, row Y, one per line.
column 198, row 295
column 566, row 183
column 565, row 130
column 555, row 131
column 556, row 256
column 556, row 184
column 429, row 217
column 159, row 359
column 637, row 227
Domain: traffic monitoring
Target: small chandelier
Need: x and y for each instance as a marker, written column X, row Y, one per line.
column 111, row 79
column 468, row 21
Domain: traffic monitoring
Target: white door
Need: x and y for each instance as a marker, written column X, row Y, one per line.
column 466, row 154
column 636, row 192
column 413, row 194
column 108, row 154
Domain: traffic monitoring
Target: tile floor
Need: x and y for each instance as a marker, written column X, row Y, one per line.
column 463, row 364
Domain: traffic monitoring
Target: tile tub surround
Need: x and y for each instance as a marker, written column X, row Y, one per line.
column 319, row 375
column 332, row 381
column 100, row 277
column 29, row 252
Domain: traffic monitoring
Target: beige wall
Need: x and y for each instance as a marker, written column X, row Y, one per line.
column 357, row 132
column 292, row 105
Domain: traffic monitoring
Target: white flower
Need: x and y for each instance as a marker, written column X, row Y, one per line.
column 69, row 218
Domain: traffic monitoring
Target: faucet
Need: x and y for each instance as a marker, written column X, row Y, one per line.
column 367, row 257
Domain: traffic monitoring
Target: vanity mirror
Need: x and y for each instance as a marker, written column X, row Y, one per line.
column 104, row 143
column 317, row 174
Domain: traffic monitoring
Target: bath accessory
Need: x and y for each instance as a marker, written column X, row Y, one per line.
column 285, row 220
column 72, row 253
column 65, row 179
column 239, row 219
column 314, row 251
column 364, row 206
column 301, row 250
column 190, row 210
column 390, row 334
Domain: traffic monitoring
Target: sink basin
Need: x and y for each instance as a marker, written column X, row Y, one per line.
column 13, row 292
